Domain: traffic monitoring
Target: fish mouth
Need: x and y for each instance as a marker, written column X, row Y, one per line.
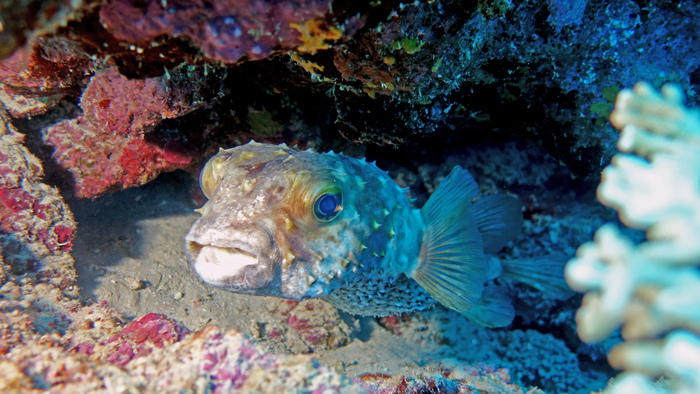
column 246, row 261
column 232, row 266
column 214, row 263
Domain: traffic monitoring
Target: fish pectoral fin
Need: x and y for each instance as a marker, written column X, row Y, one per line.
column 499, row 218
column 543, row 273
column 452, row 267
column 493, row 309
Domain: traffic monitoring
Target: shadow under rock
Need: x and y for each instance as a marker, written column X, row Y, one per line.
column 135, row 224
column 362, row 326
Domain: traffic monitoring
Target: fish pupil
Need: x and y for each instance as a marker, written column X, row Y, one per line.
column 327, row 204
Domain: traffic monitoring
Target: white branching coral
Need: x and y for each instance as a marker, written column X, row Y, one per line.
column 652, row 289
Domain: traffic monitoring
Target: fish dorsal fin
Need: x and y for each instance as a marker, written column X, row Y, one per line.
column 494, row 308
column 499, row 218
column 452, row 267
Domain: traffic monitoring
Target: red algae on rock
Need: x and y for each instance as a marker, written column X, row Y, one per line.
column 106, row 148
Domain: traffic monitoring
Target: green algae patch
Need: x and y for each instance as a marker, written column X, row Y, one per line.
column 436, row 66
column 604, row 108
column 410, row 45
column 610, row 93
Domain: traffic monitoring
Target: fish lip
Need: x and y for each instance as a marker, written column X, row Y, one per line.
column 267, row 277
column 192, row 248
column 239, row 276
column 195, row 241
column 230, row 267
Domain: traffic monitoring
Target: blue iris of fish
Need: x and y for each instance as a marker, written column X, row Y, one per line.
column 299, row 224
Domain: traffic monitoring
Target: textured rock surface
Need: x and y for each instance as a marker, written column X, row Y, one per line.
column 108, row 146
column 543, row 71
column 107, row 95
column 49, row 341
column 224, row 30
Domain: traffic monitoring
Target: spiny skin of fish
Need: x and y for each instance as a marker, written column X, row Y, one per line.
column 262, row 205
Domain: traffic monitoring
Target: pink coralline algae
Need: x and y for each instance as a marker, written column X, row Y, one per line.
column 316, row 322
column 29, row 209
column 452, row 379
column 425, row 382
column 155, row 329
column 233, row 363
column 17, row 204
column 109, row 147
column 224, row 30
column 228, row 371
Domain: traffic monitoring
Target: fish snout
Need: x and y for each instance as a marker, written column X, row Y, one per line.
column 241, row 262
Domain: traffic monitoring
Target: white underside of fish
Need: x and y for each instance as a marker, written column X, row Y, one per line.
column 214, row 263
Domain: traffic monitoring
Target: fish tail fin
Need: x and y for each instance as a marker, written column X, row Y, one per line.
column 493, row 309
column 499, row 218
column 452, row 267
column 543, row 273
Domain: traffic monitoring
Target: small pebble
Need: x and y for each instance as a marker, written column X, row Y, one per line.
column 178, row 295
column 136, row 284
column 86, row 324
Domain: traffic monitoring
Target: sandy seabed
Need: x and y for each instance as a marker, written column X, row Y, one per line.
column 129, row 252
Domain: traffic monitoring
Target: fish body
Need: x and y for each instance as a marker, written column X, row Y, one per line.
column 299, row 224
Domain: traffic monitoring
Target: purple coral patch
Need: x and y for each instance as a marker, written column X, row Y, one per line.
column 224, row 30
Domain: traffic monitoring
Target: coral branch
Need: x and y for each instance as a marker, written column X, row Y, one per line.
column 652, row 288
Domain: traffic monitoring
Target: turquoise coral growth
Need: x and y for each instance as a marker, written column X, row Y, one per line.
column 652, row 288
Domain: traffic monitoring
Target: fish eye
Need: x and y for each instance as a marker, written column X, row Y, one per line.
column 205, row 178
column 327, row 206
column 209, row 178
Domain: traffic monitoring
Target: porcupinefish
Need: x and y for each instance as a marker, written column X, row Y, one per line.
column 299, row 224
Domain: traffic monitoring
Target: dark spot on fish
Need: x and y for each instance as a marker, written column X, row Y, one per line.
column 299, row 247
column 254, row 169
